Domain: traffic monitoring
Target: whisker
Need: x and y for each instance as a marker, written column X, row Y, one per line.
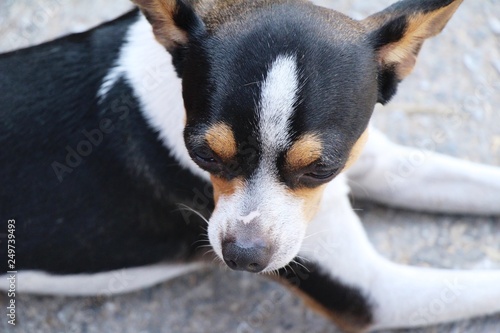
column 217, row 261
column 250, row 83
column 298, row 263
column 189, row 209
column 200, row 241
column 275, row 272
column 208, row 252
column 316, row 233
column 303, row 258
column 292, row 269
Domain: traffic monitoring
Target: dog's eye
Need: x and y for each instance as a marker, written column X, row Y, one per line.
column 321, row 175
column 318, row 176
column 205, row 155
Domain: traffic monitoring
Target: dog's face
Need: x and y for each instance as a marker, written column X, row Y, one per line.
column 283, row 111
column 278, row 97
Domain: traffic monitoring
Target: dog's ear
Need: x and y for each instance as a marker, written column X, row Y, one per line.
column 397, row 34
column 175, row 22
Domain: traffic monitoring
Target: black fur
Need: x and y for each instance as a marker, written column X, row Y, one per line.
column 335, row 98
column 410, row 7
column 344, row 301
column 186, row 19
column 91, row 186
column 114, row 207
column 388, row 82
column 392, row 31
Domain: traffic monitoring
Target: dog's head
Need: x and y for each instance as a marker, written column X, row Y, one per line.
column 278, row 96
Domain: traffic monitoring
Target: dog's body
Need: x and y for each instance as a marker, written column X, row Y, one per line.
column 104, row 165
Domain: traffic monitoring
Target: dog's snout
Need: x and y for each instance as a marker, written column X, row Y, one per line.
column 252, row 257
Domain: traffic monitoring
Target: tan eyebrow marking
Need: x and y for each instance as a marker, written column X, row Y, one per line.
column 304, row 151
column 356, row 150
column 307, row 150
column 221, row 140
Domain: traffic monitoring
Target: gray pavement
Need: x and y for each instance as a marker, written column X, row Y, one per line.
column 455, row 88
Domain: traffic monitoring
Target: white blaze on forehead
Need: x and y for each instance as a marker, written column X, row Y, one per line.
column 278, row 97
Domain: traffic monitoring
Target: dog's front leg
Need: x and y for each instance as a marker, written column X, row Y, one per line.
column 340, row 272
column 422, row 180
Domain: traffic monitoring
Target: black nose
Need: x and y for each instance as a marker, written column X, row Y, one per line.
column 253, row 258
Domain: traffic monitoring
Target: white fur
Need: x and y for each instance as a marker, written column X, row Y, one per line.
column 423, row 180
column 147, row 67
column 277, row 214
column 278, row 97
column 402, row 296
column 280, row 217
column 109, row 80
column 107, row 283
column 249, row 217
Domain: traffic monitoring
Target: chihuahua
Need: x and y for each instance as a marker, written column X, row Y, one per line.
column 235, row 123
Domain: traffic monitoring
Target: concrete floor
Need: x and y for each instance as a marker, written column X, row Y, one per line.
column 455, row 88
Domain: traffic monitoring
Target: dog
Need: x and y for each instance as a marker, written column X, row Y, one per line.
column 247, row 117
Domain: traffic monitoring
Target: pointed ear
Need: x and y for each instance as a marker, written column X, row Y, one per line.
column 174, row 22
column 397, row 34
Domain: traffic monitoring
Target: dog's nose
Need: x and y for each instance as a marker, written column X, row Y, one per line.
column 252, row 257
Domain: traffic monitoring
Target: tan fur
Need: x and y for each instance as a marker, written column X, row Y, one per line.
column 349, row 323
column 224, row 187
column 160, row 14
column 403, row 53
column 304, row 151
column 346, row 323
column 219, row 12
column 221, row 140
column 356, row 150
column 230, row 16
column 311, row 198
